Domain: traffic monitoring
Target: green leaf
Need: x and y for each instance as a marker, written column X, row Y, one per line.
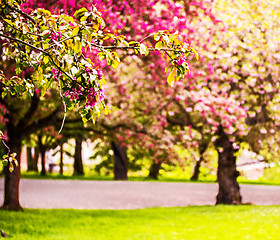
column 101, row 56
column 40, row 75
column 85, row 114
column 84, row 18
column 46, row 60
column 143, row 49
column 80, row 12
column 195, row 53
column 48, row 84
column 159, row 45
column 4, row 94
column 25, row 28
column 115, row 64
column 77, row 47
column 171, row 77
column 11, row 167
column 75, row 30
column 157, row 36
column 5, row 162
column 133, row 43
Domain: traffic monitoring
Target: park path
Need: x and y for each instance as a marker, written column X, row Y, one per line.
column 129, row 195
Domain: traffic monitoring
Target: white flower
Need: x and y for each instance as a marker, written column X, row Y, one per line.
column 263, row 131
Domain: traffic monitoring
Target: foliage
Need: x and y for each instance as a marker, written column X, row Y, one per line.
column 271, row 174
column 56, row 48
column 9, row 159
column 195, row 222
column 243, row 69
column 138, row 93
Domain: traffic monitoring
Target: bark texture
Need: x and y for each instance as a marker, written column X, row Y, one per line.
column 196, row 170
column 61, row 160
column 32, row 159
column 78, row 161
column 154, row 170
column 120, row 161
column 229, row 191
column 42, row 150
column 11, row 193
column 202, row 149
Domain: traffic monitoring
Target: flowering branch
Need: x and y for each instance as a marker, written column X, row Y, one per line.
column 63, row 41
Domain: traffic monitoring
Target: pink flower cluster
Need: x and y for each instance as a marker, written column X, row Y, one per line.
column 99, row 74
column 56, row 36
column 74, row 94
column 88, row 70
column 93, row 97
column 180, row 60
column 56, row 74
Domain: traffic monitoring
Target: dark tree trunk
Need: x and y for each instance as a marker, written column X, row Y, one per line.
column 18, row 129
column 120, row 161
column 61, row 160
column 154, row 170
column 78, row 161
column 32, row 160
column 196, row 170
column 43, row 161
column 42, row 150
column 202, row 148
column 29, row 158
column 229, row 191
column 11, row 194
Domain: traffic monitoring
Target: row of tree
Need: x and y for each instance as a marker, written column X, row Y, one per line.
column 229, row 97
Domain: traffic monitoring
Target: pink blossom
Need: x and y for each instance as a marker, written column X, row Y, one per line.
column 180, row 61
column 74, row 94
column 56, row 74
column 93, row 97
column 88, row 70
column 99, row 73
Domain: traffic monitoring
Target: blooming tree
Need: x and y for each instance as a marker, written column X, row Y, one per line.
column 246, row 74
column 55, row 48
column 132, row 99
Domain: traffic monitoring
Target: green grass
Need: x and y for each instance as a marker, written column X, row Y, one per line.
column 209, row 179
column 56, row 176
column 199, row 222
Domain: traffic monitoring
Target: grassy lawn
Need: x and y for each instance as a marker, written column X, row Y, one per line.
column 209, row 179
column 199, row 222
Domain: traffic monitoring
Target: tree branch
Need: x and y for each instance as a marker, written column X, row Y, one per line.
column 137, row 48
column 23, row 122
column 41, row 123
column 25, row 43
column 20, row 12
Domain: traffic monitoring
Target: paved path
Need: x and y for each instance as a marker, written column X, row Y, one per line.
column 129, row 195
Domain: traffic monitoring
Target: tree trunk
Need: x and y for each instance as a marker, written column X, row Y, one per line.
column 43, row 161
column 120, row 161
column 196, row 170
column 61, row 160
column 32, row 160
column 154, row 170
column 229, row 191
column 202, row 148
column 29, row 158
column 78, row 161
column 42, row 150
column 11, row 193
